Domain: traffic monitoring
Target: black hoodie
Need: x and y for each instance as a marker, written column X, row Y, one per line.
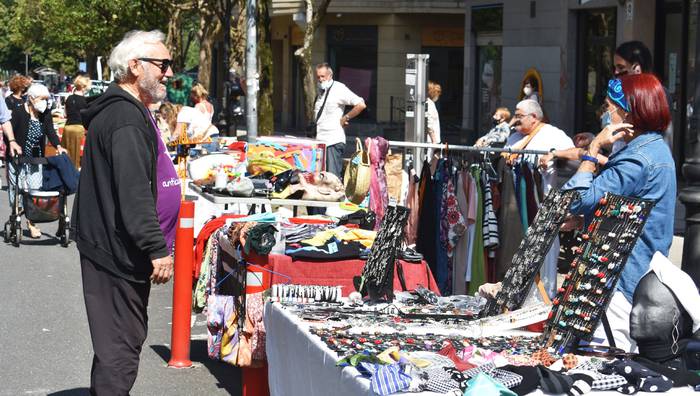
column 115, row 223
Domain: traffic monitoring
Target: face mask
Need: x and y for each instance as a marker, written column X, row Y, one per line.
column 326, row 84
column 41, row 105
column 527, row 91
column 495, row 121
column 605, row 120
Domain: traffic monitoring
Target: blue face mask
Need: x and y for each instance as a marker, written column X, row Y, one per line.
column 605, row 120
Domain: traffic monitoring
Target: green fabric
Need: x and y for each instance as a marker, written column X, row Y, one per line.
column 199, row 297
column 482, row 384
column 179, row 88
column 478, row 261
column 522, row 189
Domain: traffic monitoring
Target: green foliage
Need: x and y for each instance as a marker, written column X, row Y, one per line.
column 59, row 33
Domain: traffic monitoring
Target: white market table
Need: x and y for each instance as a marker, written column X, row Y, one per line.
column 227, row 203
column 300, row 364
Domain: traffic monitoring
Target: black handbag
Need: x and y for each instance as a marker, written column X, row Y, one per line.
column 311, row 128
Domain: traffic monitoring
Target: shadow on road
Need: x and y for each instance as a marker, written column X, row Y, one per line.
column 228, row 377
column 71, row 392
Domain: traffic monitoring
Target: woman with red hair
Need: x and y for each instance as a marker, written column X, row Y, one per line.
column 644, row 169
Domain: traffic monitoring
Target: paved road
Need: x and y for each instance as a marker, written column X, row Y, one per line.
column 45, row 344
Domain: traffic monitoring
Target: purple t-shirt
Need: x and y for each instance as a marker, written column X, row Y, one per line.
column 169, row 194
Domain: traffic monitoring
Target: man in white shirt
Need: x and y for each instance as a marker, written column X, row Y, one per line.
column 330, row 118
column 534, row 134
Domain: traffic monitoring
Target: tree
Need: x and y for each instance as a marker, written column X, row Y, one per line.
column 315, row 11
column 210, row 28
column 266, row 114
column 181, row 29
column 60, row 32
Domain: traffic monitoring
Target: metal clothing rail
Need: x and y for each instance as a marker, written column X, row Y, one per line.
column 448, row 147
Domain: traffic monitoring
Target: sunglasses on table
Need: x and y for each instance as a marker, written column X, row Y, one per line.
column 162, row 64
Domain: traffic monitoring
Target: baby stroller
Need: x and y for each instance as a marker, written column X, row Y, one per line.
column 37, row 206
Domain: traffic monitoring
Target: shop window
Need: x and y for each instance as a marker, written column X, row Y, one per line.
column 596, row 47
column 487, row 24
column 447, row 69
column 352, row 53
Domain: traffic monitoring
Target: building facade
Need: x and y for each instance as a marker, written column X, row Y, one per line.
column 480, row 53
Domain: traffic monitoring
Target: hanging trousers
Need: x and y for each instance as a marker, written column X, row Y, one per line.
column 118, row 320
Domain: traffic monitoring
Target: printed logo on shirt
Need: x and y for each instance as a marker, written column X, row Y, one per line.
column 172, row 182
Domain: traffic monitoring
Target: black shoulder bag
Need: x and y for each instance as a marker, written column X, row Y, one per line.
column 311, row 129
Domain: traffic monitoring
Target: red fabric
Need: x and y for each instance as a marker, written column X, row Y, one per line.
column 209, row 228
column 340, row 273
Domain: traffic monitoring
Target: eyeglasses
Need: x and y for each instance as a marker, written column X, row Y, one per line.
column 520, row 116
column 162, row 64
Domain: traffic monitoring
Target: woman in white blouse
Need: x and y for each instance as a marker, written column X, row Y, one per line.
column 433, row 118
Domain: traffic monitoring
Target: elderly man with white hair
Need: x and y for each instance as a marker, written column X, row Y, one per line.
column 125, row 210
column 534, row 134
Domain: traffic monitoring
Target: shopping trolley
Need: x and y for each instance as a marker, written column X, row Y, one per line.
column 36, row 205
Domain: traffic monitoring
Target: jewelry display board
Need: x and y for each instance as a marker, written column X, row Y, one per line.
column 604, row 247
column 531, row 253
column 378, row 272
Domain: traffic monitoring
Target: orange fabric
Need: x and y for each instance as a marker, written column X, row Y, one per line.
column 521, row 145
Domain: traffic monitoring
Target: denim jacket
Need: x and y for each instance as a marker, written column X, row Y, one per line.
column 643, row 169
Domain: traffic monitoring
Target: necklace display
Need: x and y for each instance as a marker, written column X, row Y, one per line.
column 378, row 272
column 599, row 260
column 343, row 342
column 531, row 253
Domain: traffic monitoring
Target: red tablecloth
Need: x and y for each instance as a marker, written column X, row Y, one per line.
column 336, row 273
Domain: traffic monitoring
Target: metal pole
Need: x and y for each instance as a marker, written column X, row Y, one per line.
column 448, row 147
column 26, row 63
column 251, row 73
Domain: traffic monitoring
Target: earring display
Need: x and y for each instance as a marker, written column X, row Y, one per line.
column 378, row 272
column 306, row 294
column 531, row 253
column 603, row 249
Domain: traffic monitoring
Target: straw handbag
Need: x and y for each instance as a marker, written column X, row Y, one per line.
column 357, row 175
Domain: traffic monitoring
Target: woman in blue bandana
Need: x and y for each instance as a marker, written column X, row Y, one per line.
column 644, row 168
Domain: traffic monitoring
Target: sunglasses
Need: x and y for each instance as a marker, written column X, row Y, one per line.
column 162, row 64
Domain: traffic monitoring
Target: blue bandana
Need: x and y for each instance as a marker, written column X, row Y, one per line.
column 616, row 95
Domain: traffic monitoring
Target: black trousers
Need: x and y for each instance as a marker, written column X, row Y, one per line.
column 116, row 311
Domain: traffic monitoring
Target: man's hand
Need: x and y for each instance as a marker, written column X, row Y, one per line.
column 15, row 149
column 490, row 289
column 61, row 150
column 546, row 159
column 162, row 270
column 480, row 143
column 344, row 121
column 572, row 222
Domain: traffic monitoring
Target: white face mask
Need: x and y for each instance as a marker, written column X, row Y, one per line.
column 326, row 84
column 527, row 91
column 41, row 105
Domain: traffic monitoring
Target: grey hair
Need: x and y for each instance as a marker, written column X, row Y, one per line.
column 325, row 65
column 37, row 91
column 531, row 106
column 134, row 45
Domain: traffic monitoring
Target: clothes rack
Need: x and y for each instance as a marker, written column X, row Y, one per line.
column 448, row 147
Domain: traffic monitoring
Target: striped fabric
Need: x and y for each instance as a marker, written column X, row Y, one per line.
column 490, row 224
column 387, row 379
